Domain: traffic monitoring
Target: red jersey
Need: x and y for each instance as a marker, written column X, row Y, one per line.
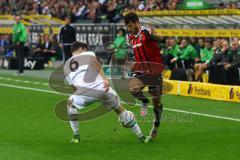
column 144, row 47
column 147, row 52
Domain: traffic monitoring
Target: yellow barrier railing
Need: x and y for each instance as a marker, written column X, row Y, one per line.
column 37, row 18
column 203, row 90
column 166, row 32
column 188, row 12
column 199, row 33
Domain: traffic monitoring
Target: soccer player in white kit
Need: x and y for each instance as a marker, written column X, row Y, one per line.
column 84, row 72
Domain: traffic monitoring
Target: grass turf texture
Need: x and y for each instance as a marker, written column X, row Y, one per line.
column 30, row 130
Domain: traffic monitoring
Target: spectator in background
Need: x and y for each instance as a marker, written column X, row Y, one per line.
column 233, row 63
column 234, row 5
column 1, row 45
column 221, row 5
column 93, row 10
column 172, row 6
column 38, row 50
column 120, row 48
column 7, row 45
column 227, row 76
column 48, row 49
column 186, row 55
column 216, row 63
column 111, row 10
column 119, row 10
column 150, row 5
column 67, row 36
column 197, row 44
column 170, row 53
column 19, row 39
column 80, row 10
column 206, row 55
column 217, row 45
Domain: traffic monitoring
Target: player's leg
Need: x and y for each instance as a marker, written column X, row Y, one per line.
column 127, row 119
column 135, row 87
column 156, row 92
column 73, row 120
column 75, row 103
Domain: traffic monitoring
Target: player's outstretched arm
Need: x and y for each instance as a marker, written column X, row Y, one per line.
column 153, row 33
column 98, row 66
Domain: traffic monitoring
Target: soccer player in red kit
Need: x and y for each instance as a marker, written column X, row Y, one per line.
column 147, row 68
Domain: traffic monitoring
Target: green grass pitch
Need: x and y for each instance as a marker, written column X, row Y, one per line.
column 29, row 129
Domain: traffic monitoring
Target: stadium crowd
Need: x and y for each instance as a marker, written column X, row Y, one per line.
column 219, row 56
column 95, row 10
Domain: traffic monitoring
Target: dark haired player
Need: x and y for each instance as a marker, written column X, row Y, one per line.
column 147, row 68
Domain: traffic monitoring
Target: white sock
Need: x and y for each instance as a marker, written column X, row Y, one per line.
column 75, row 127
column 136, row 129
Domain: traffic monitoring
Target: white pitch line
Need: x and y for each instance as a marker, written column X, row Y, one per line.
column 203, row 114
column 22, row 81
column 31, row 89
column 168, row 109
column 36, row 83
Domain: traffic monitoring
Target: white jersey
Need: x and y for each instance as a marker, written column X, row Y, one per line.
column 83, row 74
column 89, row 83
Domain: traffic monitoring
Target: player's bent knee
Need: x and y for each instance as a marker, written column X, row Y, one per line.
column 127, row 119
column 71, row 109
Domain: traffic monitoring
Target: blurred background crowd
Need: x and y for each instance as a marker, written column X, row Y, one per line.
column 188, row 58
column 47, row 47
column 96, row 10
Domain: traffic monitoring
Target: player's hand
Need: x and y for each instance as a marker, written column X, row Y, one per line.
column 106, row 85
column 150, row 26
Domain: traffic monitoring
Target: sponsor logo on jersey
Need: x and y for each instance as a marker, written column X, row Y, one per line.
column 137, row 45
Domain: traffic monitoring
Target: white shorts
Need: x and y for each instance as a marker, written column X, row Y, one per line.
column 109, row 99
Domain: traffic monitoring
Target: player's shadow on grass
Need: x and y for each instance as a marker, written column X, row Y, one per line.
column 60, row 112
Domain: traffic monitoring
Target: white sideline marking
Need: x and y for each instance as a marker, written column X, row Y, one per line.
column 23, row 81
column 36, row 83
column 31, row 89
column 168, row 109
